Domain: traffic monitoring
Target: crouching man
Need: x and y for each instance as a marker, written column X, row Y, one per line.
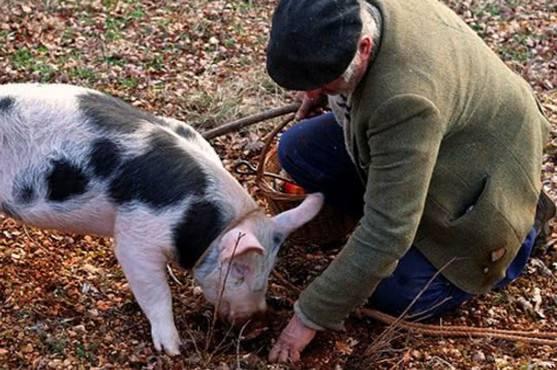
column 433, row 142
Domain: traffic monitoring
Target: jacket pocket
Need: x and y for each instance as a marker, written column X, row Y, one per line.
column 482, row 223
column 470, row 211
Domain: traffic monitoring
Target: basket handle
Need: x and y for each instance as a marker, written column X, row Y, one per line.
column 268, row 141
column 252, row 170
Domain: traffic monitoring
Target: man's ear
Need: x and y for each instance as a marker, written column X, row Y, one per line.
column 365, row 48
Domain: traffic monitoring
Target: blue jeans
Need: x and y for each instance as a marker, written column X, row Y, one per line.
column 314, row 154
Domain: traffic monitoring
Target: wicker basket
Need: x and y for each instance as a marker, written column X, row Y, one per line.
column 329, row 226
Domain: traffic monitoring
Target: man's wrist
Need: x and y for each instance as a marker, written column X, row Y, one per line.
column 304, row 319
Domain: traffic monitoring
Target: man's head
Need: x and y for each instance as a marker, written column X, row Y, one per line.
column 320, row 45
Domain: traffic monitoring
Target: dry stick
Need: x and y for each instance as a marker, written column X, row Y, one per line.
column 452, row 331
column 427, row 313
column 465, row 331
column 194, row 343
column 388, row 332
column 443, row 362
column 238, row 367
column 250, row 120
column 283, row 280
column 40, row 246
column 221, row 293
column 171, row 273
column 220, row 346
column 455, row 331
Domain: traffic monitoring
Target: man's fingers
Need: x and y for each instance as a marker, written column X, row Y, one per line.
column 276, row 351
column 282, row 352
column 283, row 357
column 303, row 111
column 273, row 355
column 307, row 106
column 291, row 342
column 294, row 355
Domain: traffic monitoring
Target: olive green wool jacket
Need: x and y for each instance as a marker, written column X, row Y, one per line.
column 449, row 141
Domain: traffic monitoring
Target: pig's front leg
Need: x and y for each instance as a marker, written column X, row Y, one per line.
column 144, row 266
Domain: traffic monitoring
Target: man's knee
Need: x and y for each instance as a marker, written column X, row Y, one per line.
column 287, row 146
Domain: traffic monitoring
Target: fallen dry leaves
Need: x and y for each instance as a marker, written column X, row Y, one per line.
column 64, row 300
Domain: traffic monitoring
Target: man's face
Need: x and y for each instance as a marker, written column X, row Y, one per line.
column 347, row 85
column 342, row 85
column 338, row 86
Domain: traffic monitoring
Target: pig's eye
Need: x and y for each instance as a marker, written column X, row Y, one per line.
column 238, row 281
column 277, row 239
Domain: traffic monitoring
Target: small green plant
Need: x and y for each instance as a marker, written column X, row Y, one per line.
column 114, row 27
column 46, row 71
column 4, row 35
column 84, row 352
column 512, row 3
column 518, row 54
column 42, row 49
column 69, row 34
column 22, row 58
column 492, row 9
column 83, row 73
column 130, row 82
column 137, row 14
column 229, row 42
column 244, row 6
column 163, row 22
column 56, row 345
column 110, row 4
column 114, row 60
column 156, row 63
column 85, row 19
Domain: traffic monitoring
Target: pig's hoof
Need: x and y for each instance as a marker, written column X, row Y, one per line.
column 167, row 340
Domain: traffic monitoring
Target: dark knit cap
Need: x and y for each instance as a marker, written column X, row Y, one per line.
column 312, row 41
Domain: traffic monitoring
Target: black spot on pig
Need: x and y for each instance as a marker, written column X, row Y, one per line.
column 202, row 223
column 9, row 211
column 25, row 193
column 109, row 113
column 104, row 157
column 163, row 175
column 185, row 132
column 6, row 103
column 65, row 180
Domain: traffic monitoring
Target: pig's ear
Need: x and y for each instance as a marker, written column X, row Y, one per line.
column 246, row 243
column 288, row 221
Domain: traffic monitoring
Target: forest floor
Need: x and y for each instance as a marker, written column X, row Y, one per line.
column 64, row 301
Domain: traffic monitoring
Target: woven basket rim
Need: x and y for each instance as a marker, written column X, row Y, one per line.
column 269, row 151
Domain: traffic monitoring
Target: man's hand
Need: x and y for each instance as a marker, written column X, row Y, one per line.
column 293, row 339
column 312, row 102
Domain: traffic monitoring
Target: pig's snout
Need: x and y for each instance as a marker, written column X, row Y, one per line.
column 239, row 317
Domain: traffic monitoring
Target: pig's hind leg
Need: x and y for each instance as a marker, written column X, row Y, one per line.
column 144, row 264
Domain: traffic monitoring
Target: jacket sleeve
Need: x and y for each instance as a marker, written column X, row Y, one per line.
column 404, row 135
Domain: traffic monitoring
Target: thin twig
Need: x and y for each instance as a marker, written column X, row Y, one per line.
column 284, row 281
column 221, row 293
column 250, row 120
column 171, row 273
column 541, row 338
column 238, row 367
column 194, row 343
column 220, row 345
column 427, row 313
column 35, row 242
column 444, row 362
column 384, row 336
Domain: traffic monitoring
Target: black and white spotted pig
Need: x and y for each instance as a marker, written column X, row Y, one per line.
column 81, row 161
